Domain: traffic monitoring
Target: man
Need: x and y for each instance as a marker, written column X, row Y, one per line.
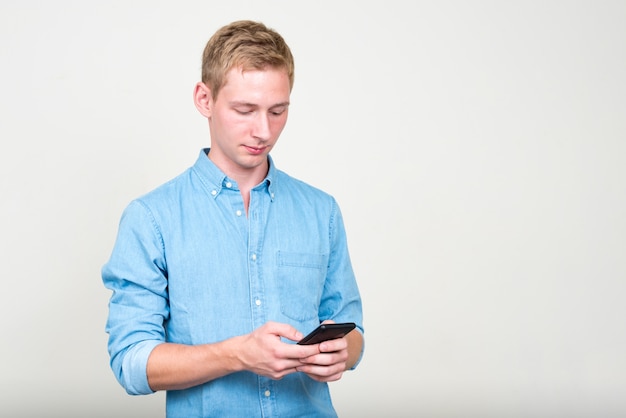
column 216, row 274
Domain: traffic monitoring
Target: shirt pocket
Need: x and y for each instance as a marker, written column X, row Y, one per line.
column 301, row 279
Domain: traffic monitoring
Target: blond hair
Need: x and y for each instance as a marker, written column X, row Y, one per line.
column 245, row 44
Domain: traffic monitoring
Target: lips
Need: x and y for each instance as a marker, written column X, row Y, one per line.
column 255, row 150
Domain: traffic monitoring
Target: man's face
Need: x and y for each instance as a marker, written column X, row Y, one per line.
column 247, row 118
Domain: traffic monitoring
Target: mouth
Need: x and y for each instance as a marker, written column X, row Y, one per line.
column 255, row 150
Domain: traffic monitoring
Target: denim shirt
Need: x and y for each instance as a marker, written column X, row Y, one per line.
column 190, row 267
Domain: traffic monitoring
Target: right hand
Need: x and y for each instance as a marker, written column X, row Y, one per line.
column 262, row 351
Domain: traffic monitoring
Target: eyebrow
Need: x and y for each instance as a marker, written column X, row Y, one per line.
column 238, row 103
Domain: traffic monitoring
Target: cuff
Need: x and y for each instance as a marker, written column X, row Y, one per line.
column 134, row 376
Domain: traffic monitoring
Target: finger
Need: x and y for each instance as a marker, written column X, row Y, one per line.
column 284, row 330
column 332, row 378
column 331, row 346
column 323, row 372
column 324, row 359
column 304, row 351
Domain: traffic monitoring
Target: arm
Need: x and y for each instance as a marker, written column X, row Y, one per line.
column 176, row 366
column 342, row 302
column 355, row 348
column 141, row 358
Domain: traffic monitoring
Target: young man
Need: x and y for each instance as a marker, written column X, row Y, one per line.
column 216, row 274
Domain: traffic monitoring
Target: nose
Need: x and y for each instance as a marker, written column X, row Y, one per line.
column 261, row 128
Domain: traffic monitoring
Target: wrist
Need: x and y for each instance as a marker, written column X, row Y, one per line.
column 232, row 351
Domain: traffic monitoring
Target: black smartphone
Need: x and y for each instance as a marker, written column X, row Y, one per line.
column 327, row 332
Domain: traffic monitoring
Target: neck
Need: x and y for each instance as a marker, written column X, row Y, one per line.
column 246, row 178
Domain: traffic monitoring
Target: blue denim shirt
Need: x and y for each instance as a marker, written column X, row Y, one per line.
column 190, row 267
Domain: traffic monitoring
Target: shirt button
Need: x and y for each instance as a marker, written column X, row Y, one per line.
column 253, row 257
column 229, row 184
column 238, row 213
column 257, row 302
column 213, row 192
column 267, row 393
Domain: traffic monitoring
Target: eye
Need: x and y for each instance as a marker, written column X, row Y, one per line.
column 278, row 111
column 243, row 111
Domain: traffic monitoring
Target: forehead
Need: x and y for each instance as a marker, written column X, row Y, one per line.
column 256, row 86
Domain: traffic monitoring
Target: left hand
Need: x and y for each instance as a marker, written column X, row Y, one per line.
column 330, row 363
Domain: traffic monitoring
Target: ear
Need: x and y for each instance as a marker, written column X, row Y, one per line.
column 202, row 99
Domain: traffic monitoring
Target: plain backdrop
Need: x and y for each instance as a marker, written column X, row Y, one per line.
column 477, row 149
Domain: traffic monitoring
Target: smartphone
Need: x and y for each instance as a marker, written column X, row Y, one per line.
column 327, row 332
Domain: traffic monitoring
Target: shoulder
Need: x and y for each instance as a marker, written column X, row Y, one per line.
column 164, row 192
column 163, row 200
column 288, row 186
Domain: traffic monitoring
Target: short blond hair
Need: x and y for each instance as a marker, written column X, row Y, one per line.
column 246, row 44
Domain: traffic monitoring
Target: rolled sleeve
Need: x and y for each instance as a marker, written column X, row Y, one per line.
column 139, row 306
column 134, row 377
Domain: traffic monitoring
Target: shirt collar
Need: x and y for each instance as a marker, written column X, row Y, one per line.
column 215, row 180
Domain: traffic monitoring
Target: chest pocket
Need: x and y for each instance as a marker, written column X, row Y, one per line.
column 301, row 277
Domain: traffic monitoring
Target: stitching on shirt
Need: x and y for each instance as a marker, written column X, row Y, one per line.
column 331, row 223
column 208, row 185
column 154, row 223
column 306, row 260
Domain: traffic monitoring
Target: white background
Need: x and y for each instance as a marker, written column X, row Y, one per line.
column 477, row 149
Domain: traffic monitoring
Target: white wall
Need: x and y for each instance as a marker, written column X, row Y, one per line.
column 476, row 148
